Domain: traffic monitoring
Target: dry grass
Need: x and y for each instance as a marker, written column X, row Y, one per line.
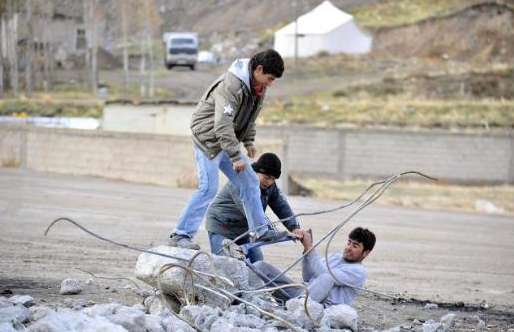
column 391, row 13
column 325, row 110
column 51, row 105
column 420, row 195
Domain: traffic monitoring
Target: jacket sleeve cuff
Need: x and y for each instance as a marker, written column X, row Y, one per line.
column 246, row 143
column 235, row 157
column 292, row 227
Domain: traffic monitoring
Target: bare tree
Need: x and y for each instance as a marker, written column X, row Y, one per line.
column 3, row 46
column 90, row 22
column 30, row 42
column 125, row 44
column 148, row 37
column 94, row 55
column 47, row 62
column 12, row 45
column 142, row 68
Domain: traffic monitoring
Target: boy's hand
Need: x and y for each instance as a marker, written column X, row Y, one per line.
column 239, row 165
column 306, row 240
column 251, row 150
column 298, row 233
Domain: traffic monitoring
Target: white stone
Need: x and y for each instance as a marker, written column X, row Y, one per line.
column 296, row 307
column 78, row 304
column 154, row 324
column 203, row 316
column 482, row 205
column 69, row 320
column 249, row 321
column 174, row 324
column 448, row 320
column 105, row 309
column 431, row 326
column 131, row 319
column 70, row 287
column 5, row 303
column 38, row 312
column 24, row 300
column 339, row 317
column 14, row 314
column 172, row 281
column 7, row 327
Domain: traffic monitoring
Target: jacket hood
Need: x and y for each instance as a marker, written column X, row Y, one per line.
column 241, row 70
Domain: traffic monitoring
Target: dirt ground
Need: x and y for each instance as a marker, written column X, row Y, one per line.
column 464, row 262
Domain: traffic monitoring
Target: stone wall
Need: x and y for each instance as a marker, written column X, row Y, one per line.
column 145, row 158
column 334, row 153
column 452, row 156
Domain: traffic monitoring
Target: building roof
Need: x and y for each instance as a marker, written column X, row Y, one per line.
column 322, row 19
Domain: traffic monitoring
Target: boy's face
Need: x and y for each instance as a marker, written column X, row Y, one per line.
column 262, row 79
column 354, row 251
column 265, row 180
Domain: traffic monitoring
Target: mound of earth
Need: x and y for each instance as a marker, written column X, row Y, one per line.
column 480, row 32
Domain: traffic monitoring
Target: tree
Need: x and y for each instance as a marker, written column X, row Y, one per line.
column 30, row 43
column 12, row 44
column 125, row 44
column 91, row 17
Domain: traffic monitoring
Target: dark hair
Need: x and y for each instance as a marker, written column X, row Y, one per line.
column 271, row 61
column 364, row 236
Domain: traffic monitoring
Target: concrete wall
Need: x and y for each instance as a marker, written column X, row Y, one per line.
column 168, row 160
column 152, row 118
column 156, row 159
column 12, row 145
column 340, row 153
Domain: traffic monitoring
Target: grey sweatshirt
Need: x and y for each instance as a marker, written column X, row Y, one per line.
column 349, row 273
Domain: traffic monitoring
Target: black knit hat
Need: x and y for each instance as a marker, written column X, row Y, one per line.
column 269, row 164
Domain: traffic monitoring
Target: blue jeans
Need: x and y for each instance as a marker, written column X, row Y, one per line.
column 246, row 183
column 319, row 286
column 216, row 241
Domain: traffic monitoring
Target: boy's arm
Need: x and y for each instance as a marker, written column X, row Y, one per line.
column 226, row 106
column 279, row 205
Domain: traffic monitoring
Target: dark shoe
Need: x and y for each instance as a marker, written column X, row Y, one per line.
column 182, row 241
column 271, row 235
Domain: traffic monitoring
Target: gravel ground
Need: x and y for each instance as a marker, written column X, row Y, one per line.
column 464, row 262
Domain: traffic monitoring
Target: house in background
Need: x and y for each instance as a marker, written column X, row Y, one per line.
column 152, row 117
column 324, row 29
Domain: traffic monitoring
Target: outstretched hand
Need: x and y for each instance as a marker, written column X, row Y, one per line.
column 304, row 236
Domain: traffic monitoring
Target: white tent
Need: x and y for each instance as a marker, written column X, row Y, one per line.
column 325, row 28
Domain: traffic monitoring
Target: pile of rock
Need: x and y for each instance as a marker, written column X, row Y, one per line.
column 206, row 311
column 153, row 317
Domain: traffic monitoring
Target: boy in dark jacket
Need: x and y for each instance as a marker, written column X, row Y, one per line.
column 226, row 218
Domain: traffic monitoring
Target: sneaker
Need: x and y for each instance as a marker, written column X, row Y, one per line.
column 271, row 235
column 182, row 241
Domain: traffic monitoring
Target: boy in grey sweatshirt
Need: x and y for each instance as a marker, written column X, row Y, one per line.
column 348, row 273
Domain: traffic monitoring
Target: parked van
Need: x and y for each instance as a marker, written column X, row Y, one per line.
column 181, row 49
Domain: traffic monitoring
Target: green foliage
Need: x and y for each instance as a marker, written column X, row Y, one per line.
column 391, row 13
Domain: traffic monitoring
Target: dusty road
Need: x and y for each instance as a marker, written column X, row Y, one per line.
column 423, row 254
column 184, row 84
